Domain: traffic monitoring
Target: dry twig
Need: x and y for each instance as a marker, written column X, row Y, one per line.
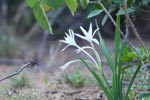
column 18, row 71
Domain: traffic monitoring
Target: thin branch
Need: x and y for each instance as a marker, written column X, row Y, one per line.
column 16, row 72
column 115, row 24
column 132, row 25
column 108, row 14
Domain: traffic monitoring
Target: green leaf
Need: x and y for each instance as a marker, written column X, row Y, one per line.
column 129, row 2
column 54, row 3
column 132, row 55
column 121, row 11
column 31, row 3
column 97, row 6
column 41, row 17
column 99, row 80
column 94, row 13
column 126, row 59
column 117, row 40
column 144, row 96
column 84, row 3
column 72, row 5
column 105, row 51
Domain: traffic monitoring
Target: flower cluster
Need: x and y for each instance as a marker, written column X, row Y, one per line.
column 69, row 39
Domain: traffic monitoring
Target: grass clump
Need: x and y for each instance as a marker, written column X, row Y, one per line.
column 19, row 81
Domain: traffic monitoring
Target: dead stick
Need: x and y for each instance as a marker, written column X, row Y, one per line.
column 15, row 73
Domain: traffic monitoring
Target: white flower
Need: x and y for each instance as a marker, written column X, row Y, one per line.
column 88, row 35
column 69, row 39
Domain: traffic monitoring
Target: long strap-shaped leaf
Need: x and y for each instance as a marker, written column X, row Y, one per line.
column 105, row 51
column 100, row 82
column 116, row 76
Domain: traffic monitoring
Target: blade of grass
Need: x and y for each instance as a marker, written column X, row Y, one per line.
column 120, row 95
column 131, row 82
column 104, row 50
column 117, row 41
column 100, row 82
column 116, row 77
column 109, row 61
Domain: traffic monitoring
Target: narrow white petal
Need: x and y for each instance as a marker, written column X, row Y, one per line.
column 67, row 64
column 82, row 37
column 62, row 41
column 65, row 48
column 90, row 29
column 95, row 31
column 83, row 48
column 83, row 30
column 96, row 41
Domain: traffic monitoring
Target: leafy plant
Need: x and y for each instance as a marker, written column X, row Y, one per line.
column 124, row 58
column 75, row 78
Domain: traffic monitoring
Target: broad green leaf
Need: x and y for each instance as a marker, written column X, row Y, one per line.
column 141, row 53
column 72, row 5
column 84, row 3
column 129, row 3
column 126, row 59
column 121, row 11
column 54, row 3
column 41, row 17
column 97, row 6
column 94, row 13
column 132, row 55
column 31, row 3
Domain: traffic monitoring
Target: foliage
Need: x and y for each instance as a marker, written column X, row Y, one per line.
column 124, row 58
column 76, row 79
column 30, row 95
column 40, row 14
column 40, row 7
column 19, row 81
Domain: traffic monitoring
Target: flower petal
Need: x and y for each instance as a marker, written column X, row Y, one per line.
column 83, row 30
column 96, row 41
column 65, row 48
column 67, row 64
column 90, row 29
column 95, row 31
column 82, row 37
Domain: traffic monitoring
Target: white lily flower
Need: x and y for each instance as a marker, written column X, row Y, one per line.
column 88, row 35
column 69, row 39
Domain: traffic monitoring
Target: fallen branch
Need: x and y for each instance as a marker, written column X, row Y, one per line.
column 32, row 64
